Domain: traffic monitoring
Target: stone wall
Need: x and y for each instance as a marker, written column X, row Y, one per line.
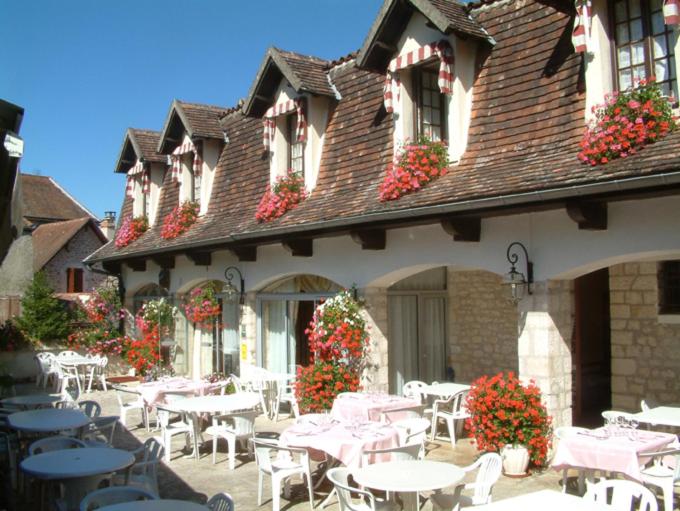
column 376, row 376
column 645, row 354
column 482, row 325
column 71, row 256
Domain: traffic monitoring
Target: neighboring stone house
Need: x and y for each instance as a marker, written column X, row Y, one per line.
column 501, row 82
column 57, row 234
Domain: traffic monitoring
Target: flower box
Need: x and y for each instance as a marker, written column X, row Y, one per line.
column 286, row 193
column 131, row 229
column 179, row 220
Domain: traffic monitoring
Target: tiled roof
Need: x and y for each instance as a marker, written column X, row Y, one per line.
column 527, row 121
column 203, row 119
column 310, row 71
column 147, row 142
column 48, row 239
column 45, row 201
column 459, row 20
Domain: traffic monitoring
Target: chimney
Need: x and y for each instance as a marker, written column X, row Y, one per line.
column 108, row 224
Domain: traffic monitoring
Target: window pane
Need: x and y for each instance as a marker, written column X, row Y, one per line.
column 639, row 73
column 435, row 133
column 427, row 115
column 660, row 49
column 427, row 98
column 634, row 8
column 661, row 70
column 657, row 5
column 435, row 100
column 636, row 30
column 658, row 26
column 624, row 56
column 620, row 11
column 638, row 50
column 622, row 33
column 625, row 79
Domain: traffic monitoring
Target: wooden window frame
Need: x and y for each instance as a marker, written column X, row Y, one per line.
column 648, row 39
column 418, row 125
column 74, row 280
column 668, row 274
column 291, row 120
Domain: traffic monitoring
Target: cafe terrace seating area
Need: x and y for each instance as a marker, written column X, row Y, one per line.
column 241, row 444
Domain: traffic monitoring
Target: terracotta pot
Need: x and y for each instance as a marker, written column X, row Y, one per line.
column 515, row 460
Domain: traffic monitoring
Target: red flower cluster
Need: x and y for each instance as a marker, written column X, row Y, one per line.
column 288, row 191
column 202, row 306
column 143, row 354
column 131, row 229
column 504, row 411
column 416, row 165
column 626, row 122
column 339, row 340
column 179, row 220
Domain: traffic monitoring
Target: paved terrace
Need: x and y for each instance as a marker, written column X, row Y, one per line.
column 187, row 479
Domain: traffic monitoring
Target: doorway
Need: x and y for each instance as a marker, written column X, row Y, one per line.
column 591, row 349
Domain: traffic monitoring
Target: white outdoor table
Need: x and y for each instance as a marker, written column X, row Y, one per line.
column 409, row 477
column 544, row 499
column 442, row 390
column 267, row 383
column 156, row 505
column 32, row 400
column 47, row 420
column 218, row 404
column 79, row 470
column 661, row 415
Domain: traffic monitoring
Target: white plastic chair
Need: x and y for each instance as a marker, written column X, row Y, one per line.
column 90, row 408
column 65, row 374
column 98, row 371
column 449, row 410
column 46, row 370
column 662, row 474
column 144, row 472
column 54, row 443
column 489, row 467
column 234, row 427
column 406, row 412
column 170, row 429
column 280, row 469
column 564, row 432
column 366, row 500
column 286, row 394
column 413, row 431
column 220, row 502
column 612, row 416
column 411, row 389
column 136, row 404
column 101, row 431
column 114, row 495
column 624, row 493
column 403, row 452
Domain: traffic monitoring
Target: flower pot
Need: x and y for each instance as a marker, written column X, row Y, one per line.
column 515, row 460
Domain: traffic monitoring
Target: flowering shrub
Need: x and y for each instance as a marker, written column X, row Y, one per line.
column 202, row 306
column 179, row 220
column 131, row 229
column 154, row 312
column 142, row 354
column 338, row 339
column 415, row 165
column 504, row 411
column 99, row 332
column 288, row 191
column 626, row 122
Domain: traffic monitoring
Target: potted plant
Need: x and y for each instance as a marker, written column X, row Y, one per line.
column 202, row 305
column 507, row 416
column 180, row 219
column 286, row 193
column 130, row 229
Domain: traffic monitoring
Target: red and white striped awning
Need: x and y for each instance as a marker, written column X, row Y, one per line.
column 441, row 49
column 175, row 161
column 285, row 107
column 135, row 170
column 580, row 36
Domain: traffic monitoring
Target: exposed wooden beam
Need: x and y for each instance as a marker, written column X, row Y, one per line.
column 164, row 261
column 245, row 253
column 136, row 264
column 463, row 228
column 200, row 258
column 384, row 46
column 590, row 216
column 370, row 239
column 262, row 98
column 299, row 247
column 112, row 267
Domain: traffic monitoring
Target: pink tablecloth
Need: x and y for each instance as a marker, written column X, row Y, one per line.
column 616, row 453
column 344, row 441
column 153, row 392
column 367, row 407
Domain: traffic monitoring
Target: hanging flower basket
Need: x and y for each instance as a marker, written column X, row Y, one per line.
column 413, row 167
column 179, row 220
column 288, row 191
column 202, row 306
column 131, row 229
column 626, row 122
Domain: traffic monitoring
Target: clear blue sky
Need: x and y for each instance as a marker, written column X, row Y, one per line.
column 85, row 70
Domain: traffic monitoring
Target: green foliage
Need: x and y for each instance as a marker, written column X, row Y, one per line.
column 43, row 316
column 11, row 338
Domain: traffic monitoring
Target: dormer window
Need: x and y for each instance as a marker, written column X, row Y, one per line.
column 644, row 44
column 430, row 104
column 186, row 166
column 138, row 188
column 296, row 147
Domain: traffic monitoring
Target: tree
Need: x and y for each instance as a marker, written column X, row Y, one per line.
column 43, row 316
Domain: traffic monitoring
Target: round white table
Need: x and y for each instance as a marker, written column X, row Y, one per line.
column 79, row 470
column 409, row 477
column 218, row 404
column 32, row 400
column 156, row 505
column 48, row 420
column 443, row 390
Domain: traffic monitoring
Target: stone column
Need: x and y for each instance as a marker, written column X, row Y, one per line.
column 248, row 333
column 376, row 376
column 544, row 350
